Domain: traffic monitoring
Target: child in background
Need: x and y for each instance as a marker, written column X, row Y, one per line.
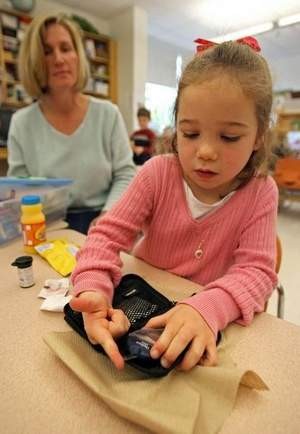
column 208, row 213
column 143, row 139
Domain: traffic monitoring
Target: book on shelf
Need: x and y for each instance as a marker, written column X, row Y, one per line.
column 101, row 87
column 90, row 85
column 9, row 21
column 7, row 31
column 101, row 49
column 99, row 71
column 10, row 43
column 97, row 86
column 8, row 56
column 90, row 48
column 21, row 34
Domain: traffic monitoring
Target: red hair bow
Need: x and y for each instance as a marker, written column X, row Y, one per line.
column 204, row 44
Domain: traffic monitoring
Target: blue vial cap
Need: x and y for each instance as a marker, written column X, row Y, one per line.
column 30, row 200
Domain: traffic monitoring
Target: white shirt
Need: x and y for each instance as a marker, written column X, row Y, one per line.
column 198, row 208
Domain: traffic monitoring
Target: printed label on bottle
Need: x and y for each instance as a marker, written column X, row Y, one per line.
column 26, row 277
column 34, row 234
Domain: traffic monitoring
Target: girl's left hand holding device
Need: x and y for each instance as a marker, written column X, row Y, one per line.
column 184, row 326
column 102, row 323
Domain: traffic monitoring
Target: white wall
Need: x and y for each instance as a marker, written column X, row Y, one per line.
column 286, row 72
column 140, row 56
column 130, row 29
column 122, row 26
column 162, row 61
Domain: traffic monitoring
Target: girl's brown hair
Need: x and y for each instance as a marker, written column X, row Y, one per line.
column 32, row 68
column 251, row 71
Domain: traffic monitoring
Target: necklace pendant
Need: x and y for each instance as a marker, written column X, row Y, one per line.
column 199, row 252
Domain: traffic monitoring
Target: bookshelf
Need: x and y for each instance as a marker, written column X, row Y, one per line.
column 13, row 26
column 286, row 135
column 101, row 53
column 286, row 121
column 100, row 50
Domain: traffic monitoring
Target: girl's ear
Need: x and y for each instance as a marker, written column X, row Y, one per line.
column 174, row 143
column 258, row 143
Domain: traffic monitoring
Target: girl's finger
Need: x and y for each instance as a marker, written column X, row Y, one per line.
column 158, row 321
column 104, row 338
column 119, row 323
column 89, row 325
column 164, row 340
column 118, row 316
column 91, row 339
column 115, row 314
column 193, row 355
column 210, row 357
column 178, row 344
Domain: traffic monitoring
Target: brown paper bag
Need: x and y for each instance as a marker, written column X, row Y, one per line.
column 180, row 403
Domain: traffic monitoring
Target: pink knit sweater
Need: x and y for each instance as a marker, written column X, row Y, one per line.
column 237, row 242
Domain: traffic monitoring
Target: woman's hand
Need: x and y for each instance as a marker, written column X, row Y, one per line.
column 184, row 326
column 102, row 323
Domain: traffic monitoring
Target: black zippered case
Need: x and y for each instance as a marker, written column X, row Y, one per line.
column 140, row 302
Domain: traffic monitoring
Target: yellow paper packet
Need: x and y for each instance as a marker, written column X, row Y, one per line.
column 60, row 254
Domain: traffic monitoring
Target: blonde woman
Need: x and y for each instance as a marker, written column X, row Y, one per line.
column 65, row 133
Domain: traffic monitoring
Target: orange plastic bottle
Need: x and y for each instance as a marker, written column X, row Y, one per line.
column 33, row 222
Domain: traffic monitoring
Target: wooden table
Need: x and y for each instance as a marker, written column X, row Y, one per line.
column 40, row 395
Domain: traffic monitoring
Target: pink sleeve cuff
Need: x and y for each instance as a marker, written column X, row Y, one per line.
column 92, row 281
column 216, row 307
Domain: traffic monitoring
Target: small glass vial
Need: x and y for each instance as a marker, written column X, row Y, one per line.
column 24, row 264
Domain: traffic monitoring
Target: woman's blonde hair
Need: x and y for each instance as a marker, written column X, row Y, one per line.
column 251, row 71
column 32, row 67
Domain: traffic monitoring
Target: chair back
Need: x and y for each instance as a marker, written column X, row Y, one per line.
column 278, row 254
column 278, row 262
column 287, row 173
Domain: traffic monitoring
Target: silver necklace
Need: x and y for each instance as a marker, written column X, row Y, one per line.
column 199, row 251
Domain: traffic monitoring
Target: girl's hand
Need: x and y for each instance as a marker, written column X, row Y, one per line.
column 102, row 323
column 183, row 326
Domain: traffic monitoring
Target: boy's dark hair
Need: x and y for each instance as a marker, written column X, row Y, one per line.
column 142, row 111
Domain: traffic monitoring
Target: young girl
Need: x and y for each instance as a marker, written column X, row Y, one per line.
column 208, row 213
